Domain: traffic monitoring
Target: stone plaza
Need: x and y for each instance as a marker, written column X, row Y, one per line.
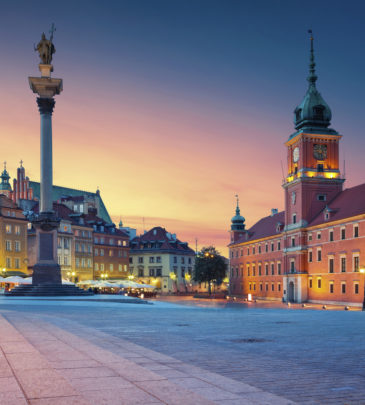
column 113, row 350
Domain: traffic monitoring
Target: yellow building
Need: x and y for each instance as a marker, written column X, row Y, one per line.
column 159, row 258
column 13, row 239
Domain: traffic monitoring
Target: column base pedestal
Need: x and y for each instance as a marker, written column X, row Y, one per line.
column 46, row 274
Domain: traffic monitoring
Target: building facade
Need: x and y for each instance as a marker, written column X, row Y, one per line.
column 13, row 239
column 158, row 258
column 313, row 250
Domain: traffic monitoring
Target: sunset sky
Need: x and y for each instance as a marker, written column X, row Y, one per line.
column 171, row 107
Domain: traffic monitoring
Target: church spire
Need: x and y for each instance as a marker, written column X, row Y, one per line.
column 312, row 78
column 5, row 185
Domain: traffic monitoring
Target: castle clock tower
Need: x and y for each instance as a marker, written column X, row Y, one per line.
column 313, row 158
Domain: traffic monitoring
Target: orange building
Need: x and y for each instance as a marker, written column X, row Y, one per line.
column 314, row 250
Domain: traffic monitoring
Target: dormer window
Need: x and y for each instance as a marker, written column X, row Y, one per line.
column 298, row 114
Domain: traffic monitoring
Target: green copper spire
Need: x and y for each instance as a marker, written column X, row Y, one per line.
column 313, row 111
column 5, row 185
column 238, row 221
column 312, row 78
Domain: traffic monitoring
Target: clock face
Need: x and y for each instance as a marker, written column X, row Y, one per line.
column 296, row 154
column 320, row 151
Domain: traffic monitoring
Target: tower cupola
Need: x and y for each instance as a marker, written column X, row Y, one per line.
column 313, row 111
column 238, row 221
column 5, row 185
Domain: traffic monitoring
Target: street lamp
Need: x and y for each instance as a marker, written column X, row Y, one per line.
column 362, row 270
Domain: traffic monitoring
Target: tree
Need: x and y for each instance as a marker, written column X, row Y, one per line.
column 209, row 267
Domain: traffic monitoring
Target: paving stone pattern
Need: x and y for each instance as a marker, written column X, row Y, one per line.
column 309, row 357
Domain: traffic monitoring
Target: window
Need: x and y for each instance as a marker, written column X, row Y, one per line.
column 249, row 286
column 152, row 272
column 254, row 286
column 96, row 252
column 89, row 263
column 294, row 218
column 96, row 240
column 320, row 167
column 279, row 268
column 175, row 258
column 310, row 256
column 266, row 248
column 356, row 263
column 343, row 287
column 83, row 262
column 266, row 286
column 182, row 272
column 356, row 231
column 66, row 243
column 101, row 266
column 248, row 251
column 319, row 283
column 292, row 266
column 158, row 259
column 89, row 248
column 279, row 245
column 77, row 262
column 17, row 263
column 266, row 269
column 101, row 252
column 158, row 272
column 331, row 265
column 140, row 260
column 17, row 230
column 310, row 283
column 310, row 236
column 343, row 264
column 111, row 267
column 248, row 270
column 140, row 273
column 253, row 270
column 8, row 245
column 259, row 248
column 111, row 253
column 331, row 236
column 272, row 269
column 189, row 260
column 259, row 269
column 272, row 246
column 356, row 287
column 8, row 228
column 131, row 259
column 253, row 250
column 65, row 260
column 331, row 287
column 8, row 262
column 111, row 241
column 293, row 241
column 279, row 287
column 319, row 255
column 321, row 197
column 260, row 286
column 183, row 260
column 343, row 233
column 17, row 246
column 272, row 287
column 319, row 235
column 96, row 266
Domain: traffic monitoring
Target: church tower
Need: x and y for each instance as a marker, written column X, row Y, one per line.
column 5, row 187
column 237, row 224
column 314, row 176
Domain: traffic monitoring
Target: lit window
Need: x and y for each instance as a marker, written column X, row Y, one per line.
column 8, row 228
column 17, row 229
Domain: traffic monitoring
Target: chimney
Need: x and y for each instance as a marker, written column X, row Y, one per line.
column 274, row 211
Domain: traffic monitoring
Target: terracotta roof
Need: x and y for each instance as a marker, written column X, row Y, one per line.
column 347, row 204
column 265, row 227
column 166, row 241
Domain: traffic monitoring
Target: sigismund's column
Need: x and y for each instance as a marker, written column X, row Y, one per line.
column 46, row 270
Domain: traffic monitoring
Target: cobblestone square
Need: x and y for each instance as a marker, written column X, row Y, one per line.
column 306, row 356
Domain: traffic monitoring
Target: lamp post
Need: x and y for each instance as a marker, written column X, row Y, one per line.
column 362, row 270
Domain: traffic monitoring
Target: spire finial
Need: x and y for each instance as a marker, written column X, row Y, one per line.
column 21, row 163
column 5, row 166
column 312, row 78
column 238, row 207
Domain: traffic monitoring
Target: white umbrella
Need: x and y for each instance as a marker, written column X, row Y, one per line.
column 27, row 280
column 13, row 279
column 66, row 282
column 88, row 282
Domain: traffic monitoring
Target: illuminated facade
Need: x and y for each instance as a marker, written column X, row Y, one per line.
column 158, row 258
column 312, row 251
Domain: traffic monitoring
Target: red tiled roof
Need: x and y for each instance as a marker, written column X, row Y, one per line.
column 159, row 234
column 347, row 204
column 265, row 227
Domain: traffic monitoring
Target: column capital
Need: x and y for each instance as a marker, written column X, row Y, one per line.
column 45, row 105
